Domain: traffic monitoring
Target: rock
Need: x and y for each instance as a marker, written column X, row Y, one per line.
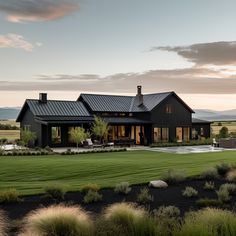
column 158, row 184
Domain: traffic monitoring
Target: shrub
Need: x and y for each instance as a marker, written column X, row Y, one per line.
column 144, row 196
column 3, row 224
column 92, row 196
column 207, row 202
column 210, row 173
column 223, row 168
column 58, row 220
column 91, row 186
column 231, row 188
column 189, row 192
column 123, row 188
column 55, row 191
column 9, row 196
column 131, row 219
column 209, row 185
column 208, row 222
column 173, row 176
column 223, row 195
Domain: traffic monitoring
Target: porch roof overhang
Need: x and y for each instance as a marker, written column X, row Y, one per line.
column 125, row 120
column 46, row 120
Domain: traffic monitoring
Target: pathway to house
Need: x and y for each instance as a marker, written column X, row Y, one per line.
column 182, row 149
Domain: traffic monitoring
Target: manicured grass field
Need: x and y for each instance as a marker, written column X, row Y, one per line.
column 30, row 174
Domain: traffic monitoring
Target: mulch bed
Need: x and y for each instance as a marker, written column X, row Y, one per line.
column 169, row 196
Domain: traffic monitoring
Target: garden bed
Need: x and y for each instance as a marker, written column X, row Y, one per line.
column 169, row 196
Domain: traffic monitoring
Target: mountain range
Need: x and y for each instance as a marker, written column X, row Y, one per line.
column 211, row 115
column 7, row 113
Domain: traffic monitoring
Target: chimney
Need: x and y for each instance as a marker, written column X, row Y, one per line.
column 43, row 98
column 139, row 95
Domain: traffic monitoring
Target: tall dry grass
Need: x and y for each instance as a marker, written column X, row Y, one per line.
column 208, row 222
column 127, row 219
column 58, row 220
column 3, row 224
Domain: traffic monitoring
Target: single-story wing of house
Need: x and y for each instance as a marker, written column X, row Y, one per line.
column 143, row 118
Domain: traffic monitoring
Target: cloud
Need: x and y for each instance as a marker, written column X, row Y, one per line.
column 185, row 81
column 16, row 41
column 215, row 53
column 37, row 10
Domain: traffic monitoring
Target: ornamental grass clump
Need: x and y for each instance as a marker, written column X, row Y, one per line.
column 189, row 192
column 9, row 196
column 208, row 222
column 130, row 219
column 58, row 220
column 209, row 185
column 92, row 196
column 144, row 196
column 168, row 219
column 173, row 176
column 210, row 173
column 91, row 186
column 3, row 224
column 55, row 191
column 223, row 195
column 122, row 188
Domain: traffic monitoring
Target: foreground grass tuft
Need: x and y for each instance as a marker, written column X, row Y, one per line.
column 58, row 220
column 130, row 219
column 208, row 222
column 3, row 224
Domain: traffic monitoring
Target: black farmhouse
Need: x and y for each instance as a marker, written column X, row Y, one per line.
column 143, row 118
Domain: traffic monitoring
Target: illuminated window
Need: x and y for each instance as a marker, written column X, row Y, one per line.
column 56, row 135
column 202, row 131
column 168, row 109
column 186, row 133
column 157, row 134
column 165, row 134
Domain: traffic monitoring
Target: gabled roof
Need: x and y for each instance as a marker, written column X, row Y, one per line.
column 114, row 103
column 54, row 108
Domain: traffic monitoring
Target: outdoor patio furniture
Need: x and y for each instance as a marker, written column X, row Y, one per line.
column 88, row 143
column 124, row 142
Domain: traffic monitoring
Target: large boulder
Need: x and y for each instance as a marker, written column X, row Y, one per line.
column 158, row 184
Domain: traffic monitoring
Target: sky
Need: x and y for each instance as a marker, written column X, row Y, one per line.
column 65, row 47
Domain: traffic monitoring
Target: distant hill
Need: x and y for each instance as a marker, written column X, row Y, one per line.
column 9, row 113
column 215, row 115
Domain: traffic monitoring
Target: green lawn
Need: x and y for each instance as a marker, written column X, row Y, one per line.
column 29, row 174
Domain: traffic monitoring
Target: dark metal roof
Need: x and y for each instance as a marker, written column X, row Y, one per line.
column 125, row 120
column 57, row 108
column 195, row 120
column 114, row 103
column 54, row 108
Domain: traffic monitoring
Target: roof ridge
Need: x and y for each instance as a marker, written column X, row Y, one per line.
column 95, row 94
column 52, row 100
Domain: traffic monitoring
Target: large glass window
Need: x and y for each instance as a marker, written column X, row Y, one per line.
column 165, row 134
column 186, row 133
column 179, row 134
column 157, row 134
column 56, row 135
column 121, row 131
